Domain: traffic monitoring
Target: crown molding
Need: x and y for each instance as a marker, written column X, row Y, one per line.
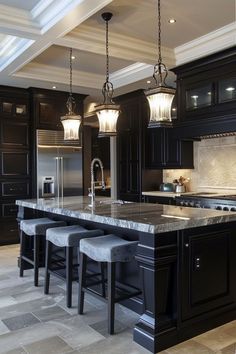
column 50, row 73
column 12, row 49
column 130, row 74
column 123, row 47
column 210, row 43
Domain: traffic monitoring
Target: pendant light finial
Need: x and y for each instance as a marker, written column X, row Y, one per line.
column 71, row 122
column 108, row 111
column 160, row 96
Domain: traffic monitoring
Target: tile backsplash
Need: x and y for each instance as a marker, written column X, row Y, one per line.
column 214, row 166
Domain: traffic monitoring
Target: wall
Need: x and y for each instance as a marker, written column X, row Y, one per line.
column 214, row 166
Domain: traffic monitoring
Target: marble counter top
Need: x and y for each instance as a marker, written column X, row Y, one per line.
column 145, row 217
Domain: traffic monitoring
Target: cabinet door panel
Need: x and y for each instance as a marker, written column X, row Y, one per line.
column 15, row 163
column 14, row 134
column 9, row 232
column 207, row 272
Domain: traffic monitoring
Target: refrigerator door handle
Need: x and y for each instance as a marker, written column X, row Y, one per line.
column 62, row 177
column 58, row 176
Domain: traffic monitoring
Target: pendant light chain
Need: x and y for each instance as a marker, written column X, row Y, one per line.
column 107, row 53
column 70, row 71
column 159, row 32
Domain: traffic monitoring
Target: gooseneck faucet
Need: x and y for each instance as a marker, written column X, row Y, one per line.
column 92, row 189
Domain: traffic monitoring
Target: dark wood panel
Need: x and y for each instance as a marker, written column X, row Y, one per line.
column 14, row 134
column 9, row 232
column 15, row 163
column 9, row 210
column 15, row 188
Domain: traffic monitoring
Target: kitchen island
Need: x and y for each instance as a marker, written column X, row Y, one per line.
column 185, row 263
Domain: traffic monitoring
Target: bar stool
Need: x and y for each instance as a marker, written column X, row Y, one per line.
column 67, row 237
column 35, row 228
column 110, row 249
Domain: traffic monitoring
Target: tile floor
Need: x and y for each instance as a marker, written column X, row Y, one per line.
column 34, row 323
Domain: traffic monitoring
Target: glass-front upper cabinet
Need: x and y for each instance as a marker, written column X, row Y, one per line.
column 199, row 97
column 227, row 90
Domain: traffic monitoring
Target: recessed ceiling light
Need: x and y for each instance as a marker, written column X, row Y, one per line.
column 73, row 57
column 148, row 81
column 54, row 87
column 230, row 88
column 172, row 20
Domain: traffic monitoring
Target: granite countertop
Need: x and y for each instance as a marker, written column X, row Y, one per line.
column 145, row 217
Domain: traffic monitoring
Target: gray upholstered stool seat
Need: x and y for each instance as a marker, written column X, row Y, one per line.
column 38, row 226
column 70, row 236
column 35, row 228
column 109, row 248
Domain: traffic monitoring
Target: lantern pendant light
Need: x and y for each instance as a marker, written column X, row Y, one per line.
column 71, row 121
column 108, row 111
column 160, row 96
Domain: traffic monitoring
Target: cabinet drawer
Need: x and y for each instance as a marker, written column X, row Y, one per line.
column 9, row 232
column 15, row 189
column 15, row 163
column 9, row 210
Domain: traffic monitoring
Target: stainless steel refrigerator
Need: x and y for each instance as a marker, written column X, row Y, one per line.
column 59, row 165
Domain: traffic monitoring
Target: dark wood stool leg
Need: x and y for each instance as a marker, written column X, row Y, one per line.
column 47, row 266
column 82, row 281
column 103, row 279
column 36, row 260
column 22, row 250
column 111, row 274
column 69, row 270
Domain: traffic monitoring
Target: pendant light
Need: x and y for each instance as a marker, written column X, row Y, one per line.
column 160, row 96
column 108, row 111
column 71, row 121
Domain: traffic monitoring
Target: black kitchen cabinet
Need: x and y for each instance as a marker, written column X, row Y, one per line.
column 15, row 158
column 206, row 95
column 165, row 150
column 101, row 148
column 131, row 139
column 207, row 254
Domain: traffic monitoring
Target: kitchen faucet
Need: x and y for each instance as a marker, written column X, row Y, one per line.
column 92, row 189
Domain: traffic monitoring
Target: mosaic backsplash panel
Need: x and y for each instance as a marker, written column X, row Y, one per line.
column 215, row 166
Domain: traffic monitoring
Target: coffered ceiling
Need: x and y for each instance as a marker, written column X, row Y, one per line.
column 35, row 37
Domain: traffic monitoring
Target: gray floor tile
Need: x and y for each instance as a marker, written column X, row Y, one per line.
column 102, row 327
column 53, row 345
column 16, row 351
column 3, row 328
column 51, row 313
column 21, row 321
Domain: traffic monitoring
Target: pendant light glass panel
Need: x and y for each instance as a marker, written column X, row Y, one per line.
column 160, row 101
column 107, row 118
column 71, row 125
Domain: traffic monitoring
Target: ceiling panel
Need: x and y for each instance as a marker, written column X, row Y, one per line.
column 21, row 4
column 85, row 61
column 138, row 19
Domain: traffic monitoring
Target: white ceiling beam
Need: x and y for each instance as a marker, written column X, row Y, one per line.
column 74, row 16
column 123, row 47
column 130, row 74
column 53, row 74
column 210, row 43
